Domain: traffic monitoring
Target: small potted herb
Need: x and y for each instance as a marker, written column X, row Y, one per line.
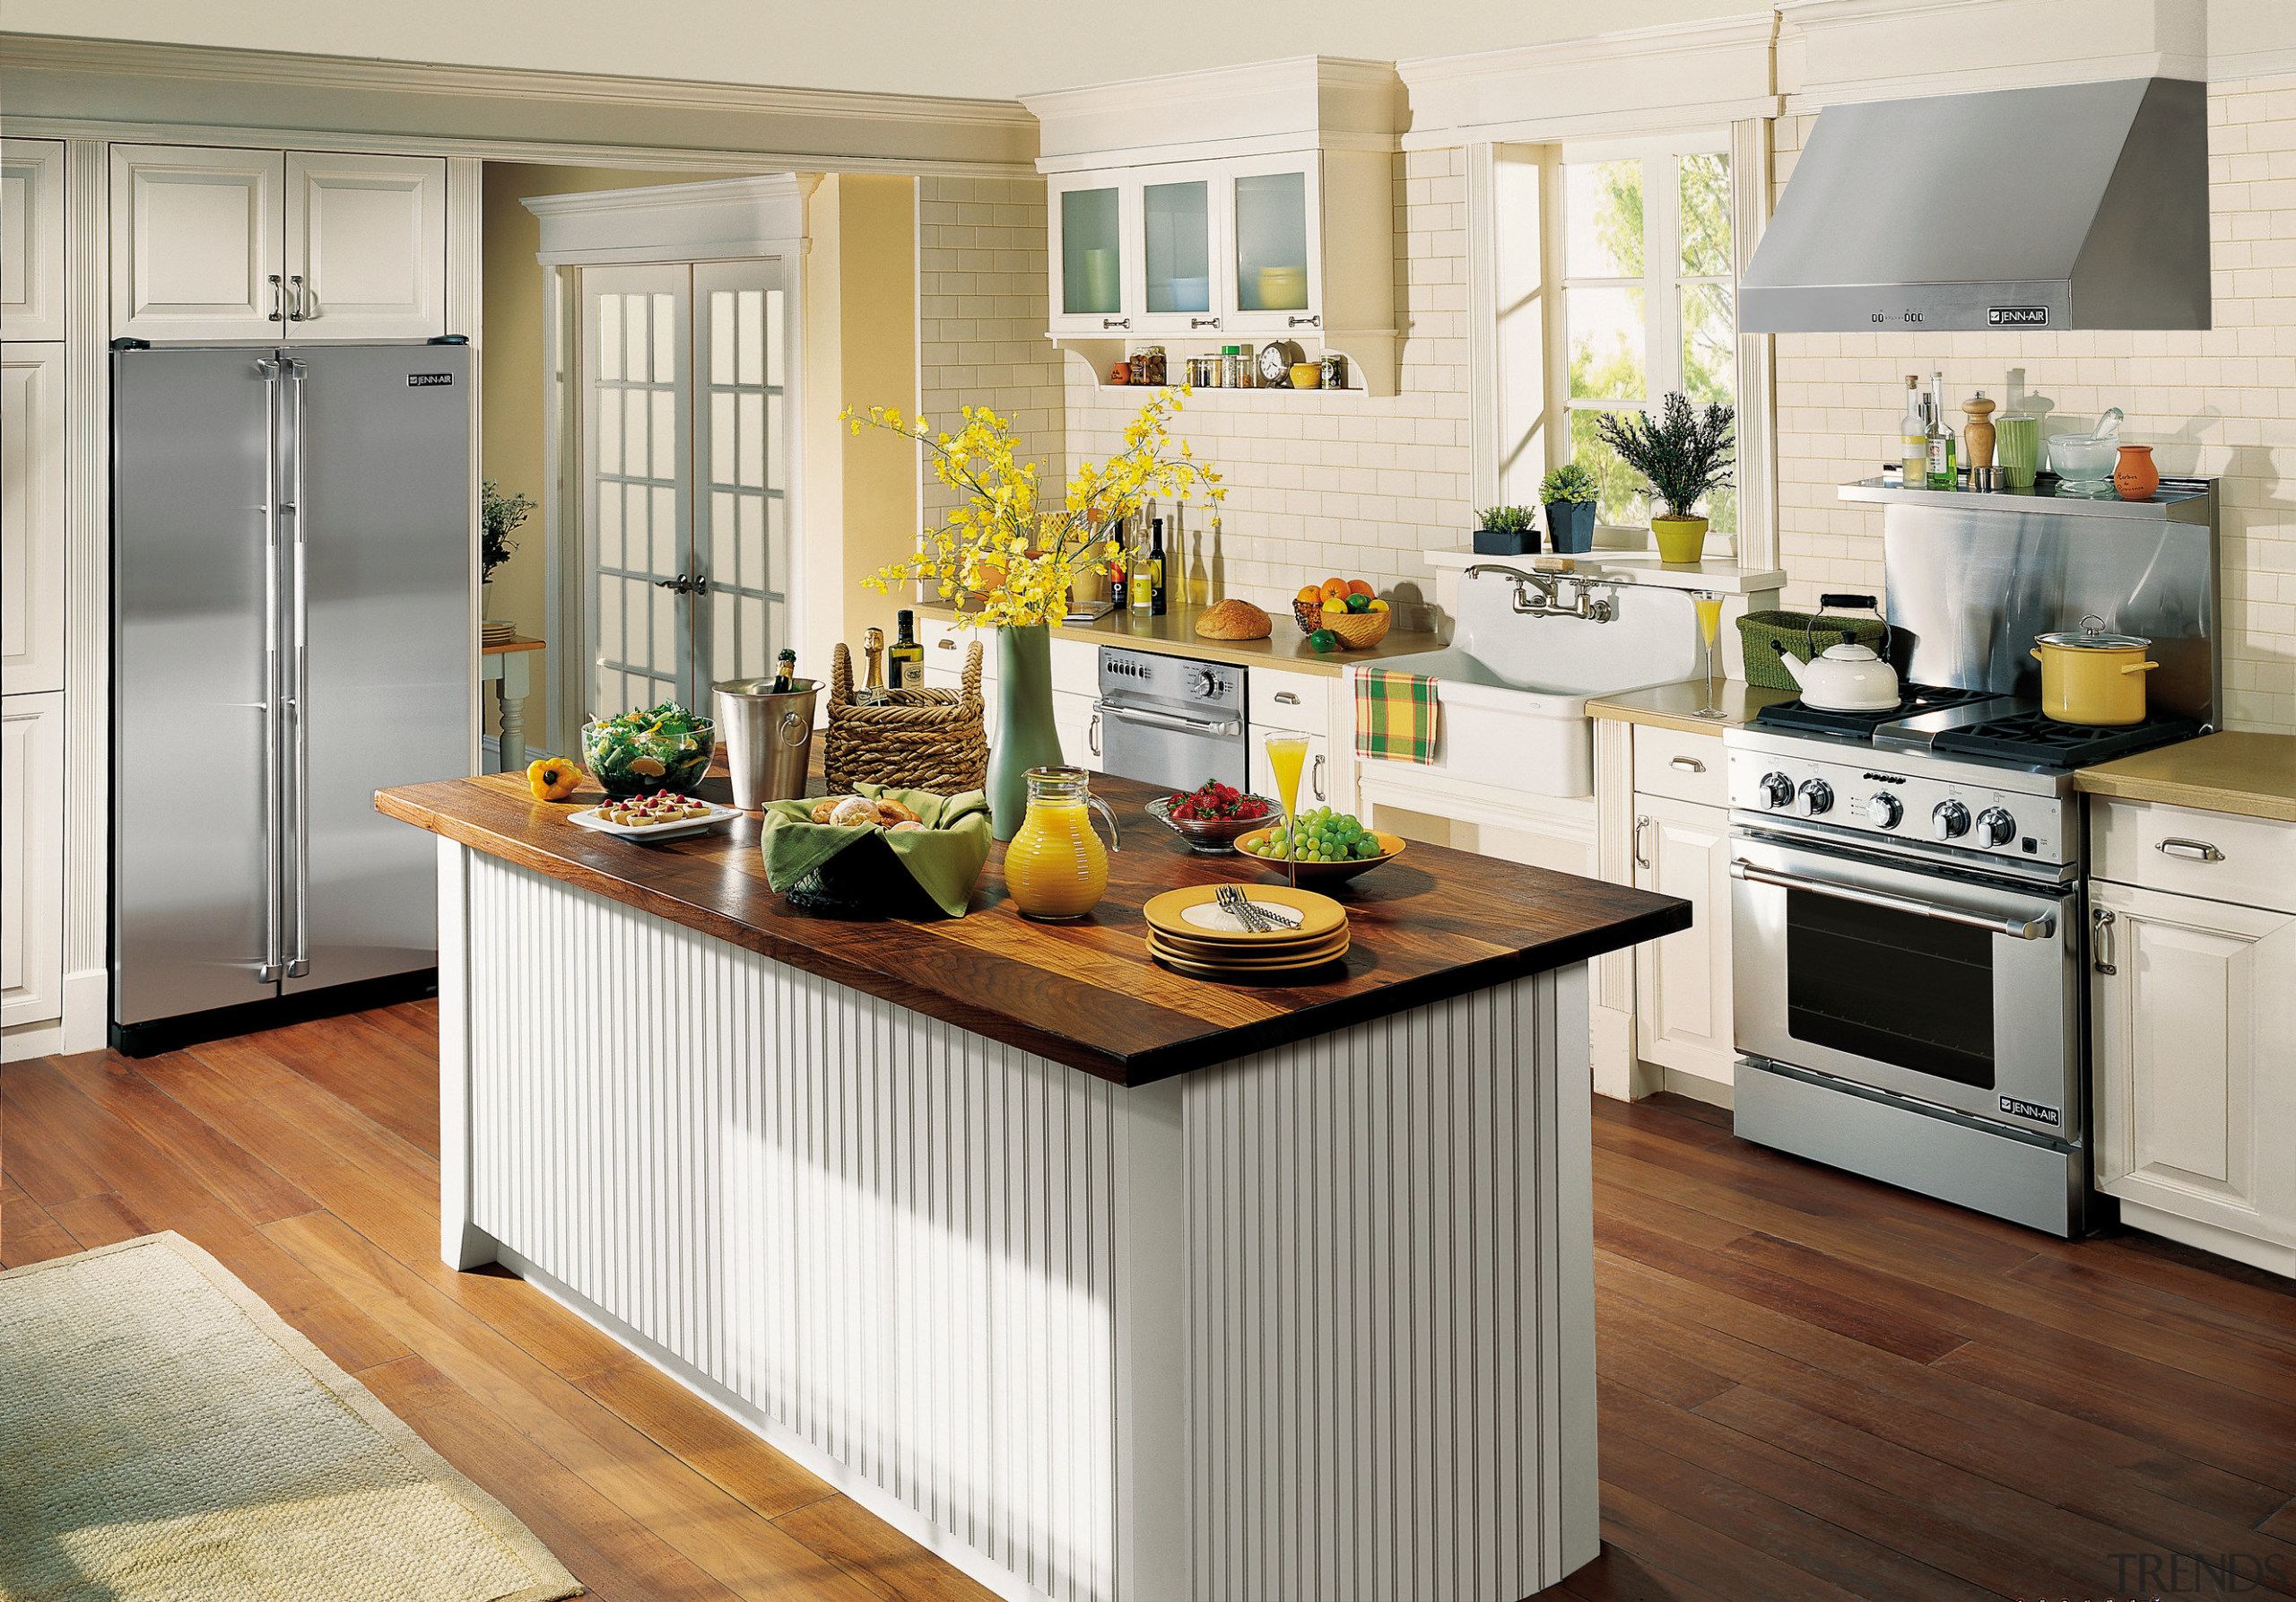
column 1506, row 531
column 1569, row 492
column 1685, row 455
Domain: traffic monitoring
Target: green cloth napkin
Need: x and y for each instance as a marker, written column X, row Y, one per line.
column 945, row 857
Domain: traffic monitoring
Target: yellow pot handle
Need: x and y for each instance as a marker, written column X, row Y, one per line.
column 2035, row 654
column 2139, row 667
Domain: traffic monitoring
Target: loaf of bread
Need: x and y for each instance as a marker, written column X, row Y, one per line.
column 1233, row 620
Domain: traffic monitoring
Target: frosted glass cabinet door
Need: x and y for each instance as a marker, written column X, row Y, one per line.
column 1276, row 223
column 196, row 243
column 1088, row 288
column 1176, row 253
column 366, row 245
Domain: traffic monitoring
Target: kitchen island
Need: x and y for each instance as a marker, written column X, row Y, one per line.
column 1102, row 1282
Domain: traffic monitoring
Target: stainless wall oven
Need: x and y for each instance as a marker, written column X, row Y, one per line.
column 1170, row 721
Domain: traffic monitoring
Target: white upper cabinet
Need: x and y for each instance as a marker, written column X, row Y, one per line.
column 31, row 517
column 211, row 244
column 32, row 239
column 366, row 245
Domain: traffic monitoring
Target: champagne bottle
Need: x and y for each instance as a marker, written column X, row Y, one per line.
column 904, row 662
column 873, row 646
column 785, row 678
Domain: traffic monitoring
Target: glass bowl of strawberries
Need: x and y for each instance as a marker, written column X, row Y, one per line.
column 1212, row 815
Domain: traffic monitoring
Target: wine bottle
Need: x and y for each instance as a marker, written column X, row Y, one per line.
column 904, row 662
column 1913, row 442
column 1156, row 567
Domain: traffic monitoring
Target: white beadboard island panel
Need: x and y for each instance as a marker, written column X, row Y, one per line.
column 1313, row 1323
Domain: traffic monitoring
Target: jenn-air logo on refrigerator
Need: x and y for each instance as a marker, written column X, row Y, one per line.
column 2031, row 1109
column 2017, row 316
column 429, row 380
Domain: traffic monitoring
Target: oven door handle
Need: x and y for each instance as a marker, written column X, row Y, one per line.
column 2039, row 928
column 1187, row 726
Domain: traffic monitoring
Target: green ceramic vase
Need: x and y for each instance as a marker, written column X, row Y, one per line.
column 1026, row 736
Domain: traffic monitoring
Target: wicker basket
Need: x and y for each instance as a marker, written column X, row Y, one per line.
column 1357, row 631
column 917, row 740
column 1765, row 634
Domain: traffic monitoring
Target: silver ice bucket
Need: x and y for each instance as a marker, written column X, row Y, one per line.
column 768, row 738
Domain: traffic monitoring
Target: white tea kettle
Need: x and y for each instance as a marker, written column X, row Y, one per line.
column 1849, row 677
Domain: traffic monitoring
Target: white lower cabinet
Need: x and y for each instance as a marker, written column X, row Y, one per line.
column 2194, row 1042
column 1681, row 982
column 1318, row 780
column 31, row 859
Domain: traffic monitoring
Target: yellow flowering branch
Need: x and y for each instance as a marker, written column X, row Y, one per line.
column 1001, row 545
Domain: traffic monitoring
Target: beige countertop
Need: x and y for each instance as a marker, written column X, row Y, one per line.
column 2251, row 774
column 1174, row 635
column 1672, row 705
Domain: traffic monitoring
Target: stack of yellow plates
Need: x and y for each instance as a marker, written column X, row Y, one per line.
column 1189, row 930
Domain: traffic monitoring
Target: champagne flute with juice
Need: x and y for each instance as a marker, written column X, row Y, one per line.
column 1287, row 754
column 1709, row 624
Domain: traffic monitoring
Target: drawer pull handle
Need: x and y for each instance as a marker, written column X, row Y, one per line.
column 945, row 643
column 1688, row 764
column 2100, row 927
column 1284, row 698
column 2191, row 850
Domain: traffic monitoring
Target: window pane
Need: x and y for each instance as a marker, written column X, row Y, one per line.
column 634, row 332
column 721, row 337
column 1706, row 215
column 1179, row 250
column 1271, row 242
column 1709, row 343
column 1607, row 343
column 1622, row 489
column 609, row 336
column 1090, row 277
column 773, row 315
column 753, row 368
column 1603, row 219
column 665, row 369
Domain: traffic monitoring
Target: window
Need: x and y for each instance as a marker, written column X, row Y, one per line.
column 1648, row 302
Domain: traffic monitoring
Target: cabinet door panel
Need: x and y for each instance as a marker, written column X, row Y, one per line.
column 194, row 243
column 31, row 517
column 1274, row 256
column 1094, row 245
column 2196, row 1078
column 366, row 235
column 1316, row 778
column 32, row 239
column 1682, row 982
column 31, row 859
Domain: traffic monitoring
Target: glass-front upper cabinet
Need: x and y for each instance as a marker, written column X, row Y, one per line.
column 1178, row 251
column 1088, row 222
column 1275, row 226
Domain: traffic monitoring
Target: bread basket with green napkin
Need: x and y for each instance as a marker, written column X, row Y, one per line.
column 869, row 871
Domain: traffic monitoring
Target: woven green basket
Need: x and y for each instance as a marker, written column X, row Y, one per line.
column 1765, row 634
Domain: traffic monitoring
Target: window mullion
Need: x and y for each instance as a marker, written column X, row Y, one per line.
column 1661, row 259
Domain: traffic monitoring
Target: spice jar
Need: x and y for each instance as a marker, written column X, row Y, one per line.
column 1335, row 370
column 1153, row 359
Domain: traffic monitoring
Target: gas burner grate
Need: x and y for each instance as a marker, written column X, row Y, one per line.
column 2041, row 740
column 1803, row 718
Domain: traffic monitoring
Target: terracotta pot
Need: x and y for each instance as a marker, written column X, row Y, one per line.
column 1679, row 539
column 2136, row 476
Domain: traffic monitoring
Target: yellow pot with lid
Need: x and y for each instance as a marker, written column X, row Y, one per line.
column 2090, row 676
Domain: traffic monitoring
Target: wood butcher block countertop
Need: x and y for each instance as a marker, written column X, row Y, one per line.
column 2252, row 774
column 1433, row 924
column 1174, row 635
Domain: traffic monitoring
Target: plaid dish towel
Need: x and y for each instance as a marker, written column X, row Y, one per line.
column 1394, row 715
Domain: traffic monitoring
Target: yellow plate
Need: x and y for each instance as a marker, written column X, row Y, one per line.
column 1320, row 914
column 1319, row 951
column 1240, row 968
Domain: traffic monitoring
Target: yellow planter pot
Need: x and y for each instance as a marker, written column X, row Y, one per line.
column 1679, row 539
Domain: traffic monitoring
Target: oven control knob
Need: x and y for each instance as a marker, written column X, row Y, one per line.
column 1996, row 827
column 1775, row 790
column 1885, row 810
column 1817, row 796
column 1202, row 684
column 1949, row 819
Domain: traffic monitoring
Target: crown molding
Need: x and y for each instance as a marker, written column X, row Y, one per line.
column 1685, row 74
column 93, row 81
column 1301, row 102
column 1832, row 52
column 729, row 219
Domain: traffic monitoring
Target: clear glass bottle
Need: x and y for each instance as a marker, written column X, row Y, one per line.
column 1142, row 584
column 1942, row 454
column 1913, row 437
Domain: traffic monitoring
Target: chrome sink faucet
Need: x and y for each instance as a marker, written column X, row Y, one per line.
column 1548, row 601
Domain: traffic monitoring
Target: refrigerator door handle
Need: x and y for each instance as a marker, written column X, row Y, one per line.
column 273, row 966
column 299, row 963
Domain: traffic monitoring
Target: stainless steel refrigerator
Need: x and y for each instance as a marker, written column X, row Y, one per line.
column 290, row 591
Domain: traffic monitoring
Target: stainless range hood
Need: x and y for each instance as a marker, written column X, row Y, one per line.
column 2080, row 205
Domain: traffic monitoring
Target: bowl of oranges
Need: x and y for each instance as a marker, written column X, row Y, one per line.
column 1342, row 613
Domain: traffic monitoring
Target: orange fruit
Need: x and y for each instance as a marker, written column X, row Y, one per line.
column 1310, row 594
column 1357, row 586
column 1335, row 589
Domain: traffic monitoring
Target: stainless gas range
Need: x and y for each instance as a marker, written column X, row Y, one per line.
column 1909, row 929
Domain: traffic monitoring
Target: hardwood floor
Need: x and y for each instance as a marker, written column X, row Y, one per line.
column 1812, row 1387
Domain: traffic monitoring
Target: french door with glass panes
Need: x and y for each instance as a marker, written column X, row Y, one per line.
column 685, row 481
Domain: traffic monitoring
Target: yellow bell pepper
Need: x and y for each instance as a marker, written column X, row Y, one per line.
column 553, row 777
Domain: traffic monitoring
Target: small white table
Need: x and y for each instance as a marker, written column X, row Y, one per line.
column 505, row 665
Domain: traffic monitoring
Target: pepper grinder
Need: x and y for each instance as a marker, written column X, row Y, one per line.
column 1978, row 437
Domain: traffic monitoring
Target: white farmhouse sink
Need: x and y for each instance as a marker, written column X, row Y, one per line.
column 1514, row 688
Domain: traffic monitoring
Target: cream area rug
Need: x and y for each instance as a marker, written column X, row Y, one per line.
column 165, row 1437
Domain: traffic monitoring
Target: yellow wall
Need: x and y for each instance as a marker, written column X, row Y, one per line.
column 513, row 379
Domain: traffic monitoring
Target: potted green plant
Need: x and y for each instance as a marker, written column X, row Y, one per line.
column 498, row 516
column 1568, row 493
column 1505, row 531
column 1684, row 453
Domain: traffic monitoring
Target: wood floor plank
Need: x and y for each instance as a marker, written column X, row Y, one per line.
column 48, row 1171
column 245, row 1183
column 369, row 1068
column 28, row 1234
column 2282, row 1524
column 1617, row 1575
column 645, row 1398
column 879, row 1556
column 1681, row 1544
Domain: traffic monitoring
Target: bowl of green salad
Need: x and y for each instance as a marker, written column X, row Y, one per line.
column 661, row 748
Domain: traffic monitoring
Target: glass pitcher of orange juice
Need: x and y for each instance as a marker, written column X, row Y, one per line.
column 1055, row 868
